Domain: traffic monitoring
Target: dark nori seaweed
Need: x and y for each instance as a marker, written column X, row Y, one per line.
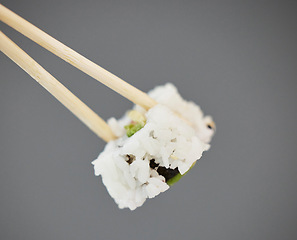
column 167, row 173
column 153, row 164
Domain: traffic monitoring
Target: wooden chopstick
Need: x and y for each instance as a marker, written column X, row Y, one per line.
column 59, row 91
column 74, row 58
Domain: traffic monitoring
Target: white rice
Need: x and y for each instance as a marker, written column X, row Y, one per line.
column 166, row 138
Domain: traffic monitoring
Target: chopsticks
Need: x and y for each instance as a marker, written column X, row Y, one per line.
column 52, row 85
column 110, row 80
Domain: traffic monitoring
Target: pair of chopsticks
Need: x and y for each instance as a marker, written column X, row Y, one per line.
column 52, row 85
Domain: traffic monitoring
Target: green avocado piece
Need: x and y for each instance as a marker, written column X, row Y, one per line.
column 177, row 177
column 131, row 129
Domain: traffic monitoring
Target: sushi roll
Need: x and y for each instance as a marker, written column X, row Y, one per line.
column 147, row 150
column 154, row 149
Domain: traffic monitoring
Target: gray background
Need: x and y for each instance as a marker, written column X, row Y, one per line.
column 236, row 59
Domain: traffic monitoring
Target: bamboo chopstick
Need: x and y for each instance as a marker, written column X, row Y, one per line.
column 52, row 85
column 74, row 58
